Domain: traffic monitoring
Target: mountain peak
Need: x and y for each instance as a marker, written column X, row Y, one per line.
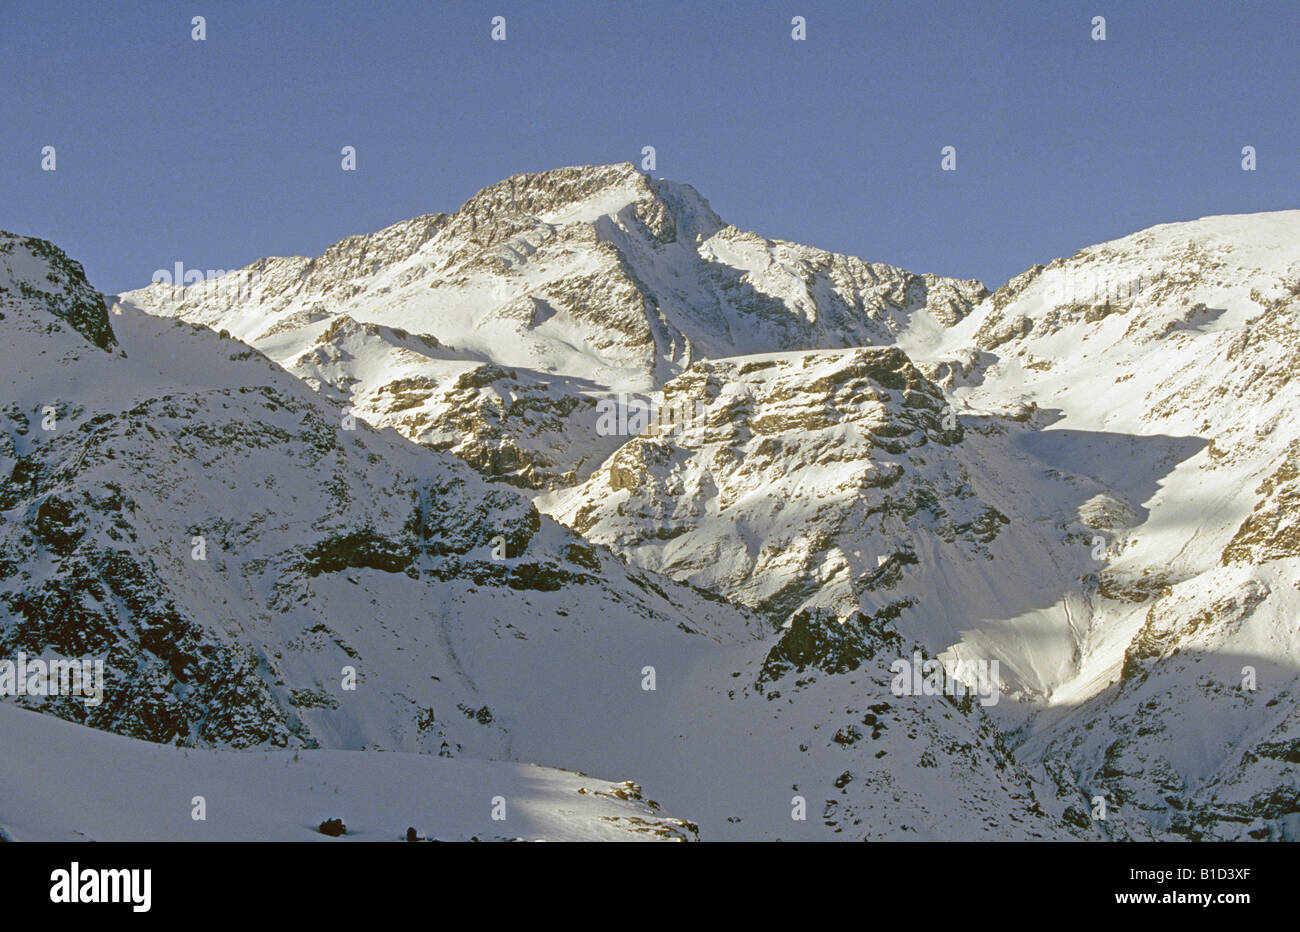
column 584, row 193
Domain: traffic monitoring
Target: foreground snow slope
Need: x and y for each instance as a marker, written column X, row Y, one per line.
column 66, row 782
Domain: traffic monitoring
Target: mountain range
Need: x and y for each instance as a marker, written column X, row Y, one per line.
column 397, row 459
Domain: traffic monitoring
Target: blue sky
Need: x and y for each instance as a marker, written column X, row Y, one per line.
column 218, row 152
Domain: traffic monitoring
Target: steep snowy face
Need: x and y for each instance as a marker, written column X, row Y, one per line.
column 844, row 480
column 788, row 480
column 569, row 283
column 1162, row 366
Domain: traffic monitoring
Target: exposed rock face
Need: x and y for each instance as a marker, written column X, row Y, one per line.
column 817, row 639
column 510, row 425
column 35, row 273
column 798, row 479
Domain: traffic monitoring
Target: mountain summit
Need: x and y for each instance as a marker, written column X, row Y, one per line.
column 494, row 331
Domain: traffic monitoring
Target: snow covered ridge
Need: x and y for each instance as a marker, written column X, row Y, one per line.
column 213, row 284
column 34, row 273
column 492, row 332
column 1173, row 389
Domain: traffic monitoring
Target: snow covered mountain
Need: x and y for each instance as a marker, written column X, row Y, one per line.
column 493, row 331
column 1082, row 485
column 124, row 534
column 240, row 553
column 1163, row 366
column 1095, row 486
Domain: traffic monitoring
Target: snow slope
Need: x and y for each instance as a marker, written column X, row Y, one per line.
column 1184, row 336
column 70, row 783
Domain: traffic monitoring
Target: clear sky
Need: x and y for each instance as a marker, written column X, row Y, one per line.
column 215, row 153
